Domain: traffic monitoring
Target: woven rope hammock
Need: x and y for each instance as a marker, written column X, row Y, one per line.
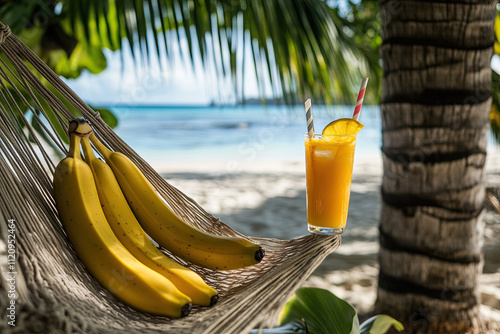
column 54, row 291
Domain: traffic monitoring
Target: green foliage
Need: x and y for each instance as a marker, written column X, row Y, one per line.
column 67, row 46
column 360, row 23
column 380, row 324
column 18, row 15
column 322, row 311
column 61, row 42
column 301, row 49
column 107, row 116
column 318, row 311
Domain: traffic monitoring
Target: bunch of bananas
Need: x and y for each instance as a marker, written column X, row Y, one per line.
column 108, row 209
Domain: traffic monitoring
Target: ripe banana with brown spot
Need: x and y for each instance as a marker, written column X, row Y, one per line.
column 128, row 230
column 170, row 231
column 96, row 245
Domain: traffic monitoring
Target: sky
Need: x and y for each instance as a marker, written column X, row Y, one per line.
column 141, row 86
column 166, row 85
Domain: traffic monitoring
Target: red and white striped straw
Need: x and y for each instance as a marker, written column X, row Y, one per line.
column 309, row 118
column 361, row 96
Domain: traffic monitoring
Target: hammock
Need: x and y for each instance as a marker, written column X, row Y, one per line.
column 54, row 291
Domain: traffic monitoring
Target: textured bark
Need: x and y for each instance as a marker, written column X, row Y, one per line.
column 435, row 106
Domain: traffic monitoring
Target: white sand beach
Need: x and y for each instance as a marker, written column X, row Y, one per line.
column 267, row 198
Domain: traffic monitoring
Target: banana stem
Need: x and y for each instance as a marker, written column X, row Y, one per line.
column 74, row 146
column 78, row 128
column 87, row 150
column 100, row 146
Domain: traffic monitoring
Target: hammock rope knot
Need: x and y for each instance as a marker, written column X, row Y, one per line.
column 4, row 32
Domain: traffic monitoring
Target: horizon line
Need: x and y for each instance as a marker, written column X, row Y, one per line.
column 204, row 105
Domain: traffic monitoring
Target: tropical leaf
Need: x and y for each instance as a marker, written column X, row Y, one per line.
column 107, row 116
column 20, row 100
column 321, row 311
column 318, row 311
column 300, row 49
column 18, row 14
column 380, row 324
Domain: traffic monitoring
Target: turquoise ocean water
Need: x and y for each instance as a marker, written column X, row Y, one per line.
column 244, row 133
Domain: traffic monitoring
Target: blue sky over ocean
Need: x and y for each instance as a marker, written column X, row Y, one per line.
column 159, row 84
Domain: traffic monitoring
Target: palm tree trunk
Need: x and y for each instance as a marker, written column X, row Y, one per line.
column 435, row 106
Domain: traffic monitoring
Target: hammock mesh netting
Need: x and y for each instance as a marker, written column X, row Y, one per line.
column 54, row 292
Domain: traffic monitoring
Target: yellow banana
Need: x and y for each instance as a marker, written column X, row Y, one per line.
column 128, row 230
column 97, row 246
column 166, row 228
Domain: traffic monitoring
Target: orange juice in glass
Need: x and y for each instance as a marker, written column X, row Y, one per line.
column 329, row 163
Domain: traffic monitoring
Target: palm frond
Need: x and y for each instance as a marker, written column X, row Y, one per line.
column 300, row 47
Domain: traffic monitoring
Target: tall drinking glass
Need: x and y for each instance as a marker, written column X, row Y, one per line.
column 329, row 162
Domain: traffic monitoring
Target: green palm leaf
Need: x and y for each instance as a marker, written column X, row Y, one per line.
column 300, row 49
column 296, row 46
